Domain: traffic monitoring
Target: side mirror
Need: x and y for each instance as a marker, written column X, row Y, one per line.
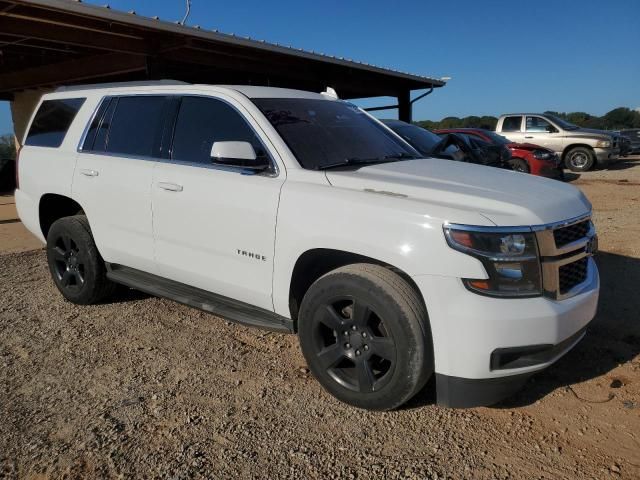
column 237, row 154
column 551, row 129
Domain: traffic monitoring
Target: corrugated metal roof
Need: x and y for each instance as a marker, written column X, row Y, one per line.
column 155, row 23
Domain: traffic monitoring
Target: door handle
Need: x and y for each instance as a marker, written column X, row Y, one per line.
column 528, row 136
column 89, row 173
column 171, row 187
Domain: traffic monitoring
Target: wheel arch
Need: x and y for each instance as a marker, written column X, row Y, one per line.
column 314, row 263
column 52, row 207
column 570, row 147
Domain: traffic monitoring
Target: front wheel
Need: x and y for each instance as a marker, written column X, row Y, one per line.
column 365, row 335
column 75, row 264
column 519, row 165
column 579, row 159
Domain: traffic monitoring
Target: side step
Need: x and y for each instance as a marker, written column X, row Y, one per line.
column 228, row 308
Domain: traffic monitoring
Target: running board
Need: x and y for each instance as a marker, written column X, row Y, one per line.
column 225, row 307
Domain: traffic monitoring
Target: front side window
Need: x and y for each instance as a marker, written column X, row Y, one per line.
column 201, row 122
column 537, row 124
column 52, row 121
column 511, row 124
column 326, row 133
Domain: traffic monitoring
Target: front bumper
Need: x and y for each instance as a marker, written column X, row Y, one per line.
column 606, row 155
column 468, row 329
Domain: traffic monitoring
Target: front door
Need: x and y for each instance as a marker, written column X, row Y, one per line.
column 540, row 131
column 215, row 227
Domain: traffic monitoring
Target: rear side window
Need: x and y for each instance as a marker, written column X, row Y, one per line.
column 127, row 126
column 511, row 124
column 52, row 121
column 202, row 121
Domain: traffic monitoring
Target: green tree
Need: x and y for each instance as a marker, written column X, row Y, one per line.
column 7, row 147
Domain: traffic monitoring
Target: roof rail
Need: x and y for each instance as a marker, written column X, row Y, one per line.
column 142, row 83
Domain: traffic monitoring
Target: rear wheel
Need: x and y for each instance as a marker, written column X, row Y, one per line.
column 75, row 264
column 579, row 159
column 364, row 333
column 519, row 165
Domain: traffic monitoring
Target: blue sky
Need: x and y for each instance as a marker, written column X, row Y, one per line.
column 571, row 55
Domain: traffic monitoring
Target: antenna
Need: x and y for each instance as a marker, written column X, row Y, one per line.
column 184, row 19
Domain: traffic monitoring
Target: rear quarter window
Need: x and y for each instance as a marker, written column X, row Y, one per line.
column 52, row 121
column 512, row 124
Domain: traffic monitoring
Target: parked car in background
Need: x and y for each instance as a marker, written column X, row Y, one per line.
column 299, row 212
column 450, row 146
column 579, row 148
column 631, row 137
column 525, row 157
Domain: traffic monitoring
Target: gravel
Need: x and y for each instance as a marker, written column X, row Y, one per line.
column 144, row 387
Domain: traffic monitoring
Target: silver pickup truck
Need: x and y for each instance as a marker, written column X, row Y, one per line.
column 579, row 148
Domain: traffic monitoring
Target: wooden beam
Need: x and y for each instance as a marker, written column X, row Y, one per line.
column 69, row 35
column 72, row 71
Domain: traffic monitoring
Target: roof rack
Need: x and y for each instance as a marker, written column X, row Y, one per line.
column 140, row 83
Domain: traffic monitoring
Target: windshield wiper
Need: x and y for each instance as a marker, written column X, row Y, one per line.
column 356, row 161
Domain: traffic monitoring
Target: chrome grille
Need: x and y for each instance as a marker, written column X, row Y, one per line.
column 572, row 275
column 566, row 235
column 565, row 249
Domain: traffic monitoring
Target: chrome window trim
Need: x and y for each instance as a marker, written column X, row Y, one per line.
column 83, row 137
column 274, row 172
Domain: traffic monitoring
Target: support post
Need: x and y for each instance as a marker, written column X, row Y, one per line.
column 404, row 106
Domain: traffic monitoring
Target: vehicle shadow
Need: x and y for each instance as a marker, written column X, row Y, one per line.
column 625, row 163
column 613, row 337
column 570, row 176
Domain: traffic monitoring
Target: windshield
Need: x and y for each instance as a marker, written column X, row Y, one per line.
column 562, row 123
column 499, row 139
column 325, row 133
column 422, row 140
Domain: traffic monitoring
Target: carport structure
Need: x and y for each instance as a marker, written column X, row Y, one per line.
column 48, row 43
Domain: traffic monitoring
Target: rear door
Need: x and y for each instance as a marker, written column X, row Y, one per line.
column 113, row 175
column 215, row 226
column 540, row 131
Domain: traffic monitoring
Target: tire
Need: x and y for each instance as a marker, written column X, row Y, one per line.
column 75, row 264
column 579, row 159
column 365, row 335
column 519, row 165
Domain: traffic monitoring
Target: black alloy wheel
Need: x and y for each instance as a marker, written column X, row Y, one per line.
column 353, row 345
column 68, row 262
column 365, row 335
column 76, row 266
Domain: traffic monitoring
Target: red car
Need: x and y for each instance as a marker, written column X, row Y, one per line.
column 525, row 157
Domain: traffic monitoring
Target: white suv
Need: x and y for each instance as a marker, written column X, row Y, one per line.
column 299, row 212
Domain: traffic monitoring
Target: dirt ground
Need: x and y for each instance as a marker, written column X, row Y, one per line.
column 144, row 387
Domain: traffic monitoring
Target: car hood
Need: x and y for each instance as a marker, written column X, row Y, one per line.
column 504, row 197
column 589, row 132
column 527, row 146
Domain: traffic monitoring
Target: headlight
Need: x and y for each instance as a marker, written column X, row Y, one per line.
column 543, row 155
column 603, row 143
column 510, row 259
